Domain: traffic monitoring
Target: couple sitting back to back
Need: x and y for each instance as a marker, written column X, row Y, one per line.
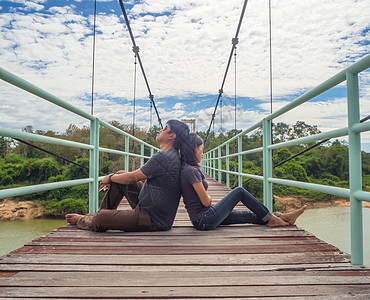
column 154, row 203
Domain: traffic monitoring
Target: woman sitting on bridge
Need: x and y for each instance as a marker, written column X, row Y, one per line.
column 198, row 203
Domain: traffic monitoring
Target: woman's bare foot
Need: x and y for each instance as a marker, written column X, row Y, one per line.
column 275, row 221
column 292, row 216
column 73, row 218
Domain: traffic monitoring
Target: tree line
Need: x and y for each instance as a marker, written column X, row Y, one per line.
column 22, row 164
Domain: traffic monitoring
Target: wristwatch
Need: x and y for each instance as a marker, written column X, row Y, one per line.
column 110, row 177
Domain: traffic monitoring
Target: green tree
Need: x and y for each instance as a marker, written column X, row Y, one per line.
column 301, row 129
column 3, row 147
column 280, row 131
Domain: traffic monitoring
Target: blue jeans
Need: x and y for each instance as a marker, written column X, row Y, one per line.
column 223, row 214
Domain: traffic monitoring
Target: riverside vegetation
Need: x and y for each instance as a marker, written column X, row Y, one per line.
column 22, row 165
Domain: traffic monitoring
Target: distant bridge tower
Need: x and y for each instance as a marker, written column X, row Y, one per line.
column 190, row 121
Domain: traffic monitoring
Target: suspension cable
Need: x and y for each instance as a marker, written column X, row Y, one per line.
column 235, row 90
column 133, row 110
column 270, row 55
column 235, row 41
column 221, row 113
column 93, row 64
column 134, row 107
column 136, row 49
column 51, row 153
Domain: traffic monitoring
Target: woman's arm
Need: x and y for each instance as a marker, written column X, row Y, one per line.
column 202, row 193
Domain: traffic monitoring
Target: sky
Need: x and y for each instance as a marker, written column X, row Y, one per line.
column 184, row 46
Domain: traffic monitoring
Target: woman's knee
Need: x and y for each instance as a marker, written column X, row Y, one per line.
column 240, row 190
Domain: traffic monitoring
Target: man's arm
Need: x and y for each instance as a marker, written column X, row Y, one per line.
column 125, row 178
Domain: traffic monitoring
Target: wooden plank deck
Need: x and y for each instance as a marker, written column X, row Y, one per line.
column 232, row 262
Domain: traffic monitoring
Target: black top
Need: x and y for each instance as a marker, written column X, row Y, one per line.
column 160, row 194
column 189, row 175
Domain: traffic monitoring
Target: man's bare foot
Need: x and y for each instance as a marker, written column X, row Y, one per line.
column 73, row 218
column 275, row 221
column 292, row 216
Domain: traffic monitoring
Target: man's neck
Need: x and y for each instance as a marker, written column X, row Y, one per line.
column 165, row 147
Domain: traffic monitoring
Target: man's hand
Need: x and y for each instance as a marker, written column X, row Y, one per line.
column 104, row 187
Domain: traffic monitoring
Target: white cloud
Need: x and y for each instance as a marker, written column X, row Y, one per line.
column 184, row 46
column 33, row 6
column 179, row 106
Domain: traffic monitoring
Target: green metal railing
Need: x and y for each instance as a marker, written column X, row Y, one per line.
column 93, row 147
column 354, row 129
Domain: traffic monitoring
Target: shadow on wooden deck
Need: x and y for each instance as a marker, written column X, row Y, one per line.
column 234, row 262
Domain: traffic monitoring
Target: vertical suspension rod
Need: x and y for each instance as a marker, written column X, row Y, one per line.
column 135, row 49
column 235, row 41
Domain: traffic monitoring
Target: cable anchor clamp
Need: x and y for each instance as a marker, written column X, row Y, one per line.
column 135, row 49
column 235, row 41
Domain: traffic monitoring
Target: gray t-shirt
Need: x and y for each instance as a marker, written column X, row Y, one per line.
column 189, row 175
column 160, row 194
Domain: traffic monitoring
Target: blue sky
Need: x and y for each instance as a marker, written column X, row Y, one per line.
column 184, row 46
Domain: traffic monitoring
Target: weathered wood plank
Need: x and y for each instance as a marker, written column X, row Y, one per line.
column 185, row 279
column 209, row 259
column 163, row 250
column 101, row 292
column 173, row 268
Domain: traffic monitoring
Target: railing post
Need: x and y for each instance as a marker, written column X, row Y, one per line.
column 142, row 154
column 240, row 163
column 151, row 152
column 94, row 166
column 227, row 165
column 355, row 172
column 267, row 165
column 207, row 164
column 214, row 164
column 127, row 149
column 219, row 164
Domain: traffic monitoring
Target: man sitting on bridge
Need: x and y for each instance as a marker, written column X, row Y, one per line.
column 154, row 203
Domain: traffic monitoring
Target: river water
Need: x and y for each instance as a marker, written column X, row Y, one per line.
column 15, row 234
column 332, row 225
column 329, row 224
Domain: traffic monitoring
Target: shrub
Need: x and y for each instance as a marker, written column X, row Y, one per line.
column 76, row 172
column 66, row 206
column 7, row 180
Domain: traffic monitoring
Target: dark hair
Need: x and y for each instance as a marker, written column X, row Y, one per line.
column 188, row 153
column 182, row 133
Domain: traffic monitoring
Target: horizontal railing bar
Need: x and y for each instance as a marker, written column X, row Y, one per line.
column 41, row 187
column 326, row 85
column 119, row 131
column 122, row 152
column 42, row 138
column 245, row 175
column 244, row 152
column 361, row 127
column 312, row 138
column 236, row 173
column 313, row 187
column 361, row 195
column 29, row 87
column 253, row 127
